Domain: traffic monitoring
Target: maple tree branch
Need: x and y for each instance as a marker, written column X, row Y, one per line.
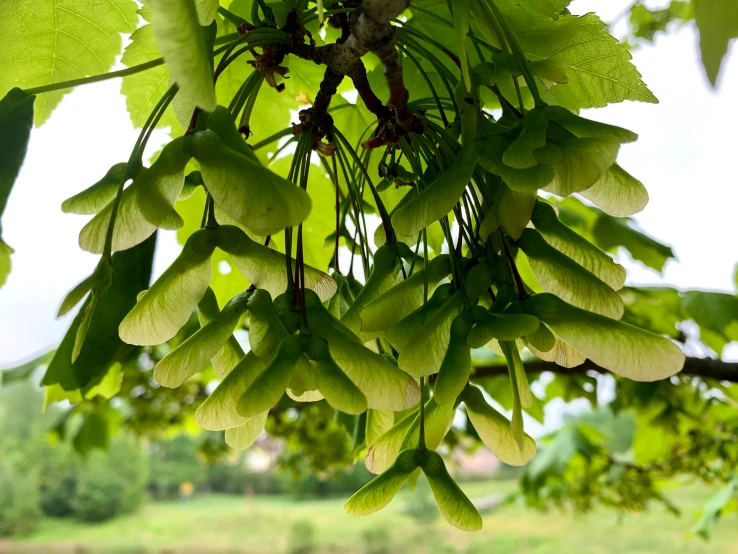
column 706, row 368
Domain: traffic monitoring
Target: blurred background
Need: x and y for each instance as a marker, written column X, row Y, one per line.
column 65, row 486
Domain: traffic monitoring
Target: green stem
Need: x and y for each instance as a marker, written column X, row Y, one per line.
column 113, row 74
column 136, row 153
column 517, row 52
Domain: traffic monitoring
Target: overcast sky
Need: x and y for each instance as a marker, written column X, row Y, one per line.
column 686, row 156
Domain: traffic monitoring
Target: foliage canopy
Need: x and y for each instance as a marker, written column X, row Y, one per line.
column 456, row 126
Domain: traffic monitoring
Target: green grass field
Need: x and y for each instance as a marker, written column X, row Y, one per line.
column 264, row 525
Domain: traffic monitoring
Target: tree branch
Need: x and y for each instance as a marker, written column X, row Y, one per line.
column 697, row 367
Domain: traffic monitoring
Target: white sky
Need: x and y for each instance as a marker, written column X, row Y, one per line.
column 685, row 155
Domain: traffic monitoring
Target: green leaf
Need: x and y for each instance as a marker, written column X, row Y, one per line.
column 495, row 430
column 455, row 369
column 266, row 268
column 402, row 332
column 622, row 348
column 131, row 274
column 717, row 22
column 404, row 298
column 25, row 371
column 617, row 193
column 424, row 352
column 716, row 505
column 338, row 390
column 94, row 433
column 438, row 198
column 144, row 205
column 587, row 128
column 533, row 126
column 144, row 89
column 456, row 508
column 578, row 162
column 266, row 390
column 231, row 353
column 385, row 386
column 92, row 200
column 380, row 491
column 505, row 327
column 579, row 249
column 206, row 10
column 385, row 449
column 219, row 410
column 16, row 121
column 253, row 195
column 383, row 278
column 199, row 348
column 514, row 211
column 716, row 312
column 562, row 276
column 49, row 41
column 5, row 263
column 378, row 422
column 182, row 43
column 599, row 69
column 169, row 303
column 492, row 148
column 244, row 436
column 514, row 367
column 406, row 433
column 610, row 233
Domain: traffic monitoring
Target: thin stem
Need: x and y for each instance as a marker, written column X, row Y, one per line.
column 114, row 74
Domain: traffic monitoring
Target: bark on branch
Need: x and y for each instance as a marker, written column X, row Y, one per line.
column 698, row 367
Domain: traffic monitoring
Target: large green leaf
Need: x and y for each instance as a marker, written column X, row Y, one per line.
column 231, row 353
column 49, row 41
column 562, row 276
column 219, row 410
column 169, row 303
column 617, row 193
column 456, row 508
column 244, row 436
column 424, row 352
column 622, row 348
column 610, row 232
column 404, row 298
column 252, row 194
column 338, row 390
column 93, row 199
column 406, row 432
column 202, row 346
column 144, row 89
column 182, row 42
column 385, row 386
column 717, row 22
column 380, row 491
column 383, row 278
column 144, row 205
column 599, row 69
column 453, row 375
column 717, row 315
column 269, row 386
column 131, row 274
column 266, row 268
column 439, row 197
column 495, row 431
column 574, row 246
column 16, row 121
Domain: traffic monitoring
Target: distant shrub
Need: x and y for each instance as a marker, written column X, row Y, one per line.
column 235, row 478
column 111, row 482
column 301, row 537
column 174, row 462
column 19, row 503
